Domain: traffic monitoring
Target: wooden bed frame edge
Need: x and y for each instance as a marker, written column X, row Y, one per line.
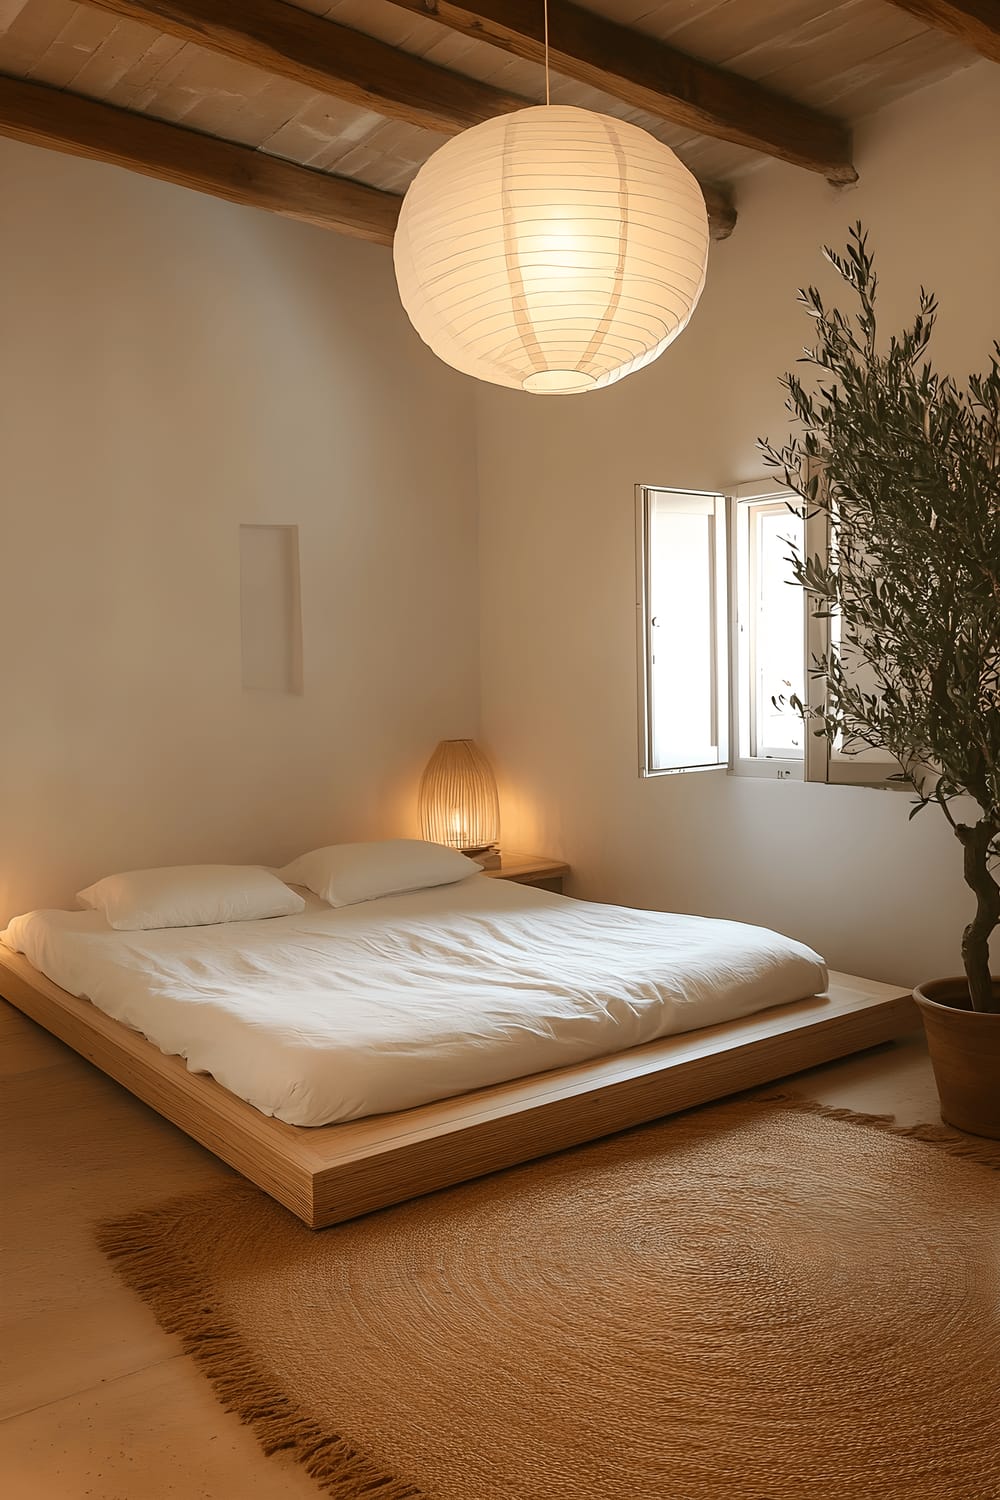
column 331, row 1173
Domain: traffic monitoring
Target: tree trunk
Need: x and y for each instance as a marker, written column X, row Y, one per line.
column 976, row 841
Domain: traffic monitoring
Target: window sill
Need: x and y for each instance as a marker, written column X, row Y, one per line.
column 648, row 775
column 766, row 769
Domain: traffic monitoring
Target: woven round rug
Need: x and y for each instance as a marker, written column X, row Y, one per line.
column 755, row 1301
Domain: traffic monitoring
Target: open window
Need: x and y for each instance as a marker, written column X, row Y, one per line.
column 682, row 630
column 726, row 638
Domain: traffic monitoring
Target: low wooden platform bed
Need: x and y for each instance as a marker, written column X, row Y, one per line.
column 337, row 1172
column 436, row 947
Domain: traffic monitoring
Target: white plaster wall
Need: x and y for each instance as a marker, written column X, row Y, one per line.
column 837, row 867
column 171, row 366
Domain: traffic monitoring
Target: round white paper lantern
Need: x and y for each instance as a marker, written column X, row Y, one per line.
column 553, row 250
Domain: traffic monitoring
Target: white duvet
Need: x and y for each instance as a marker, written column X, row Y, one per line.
column 335, row 1014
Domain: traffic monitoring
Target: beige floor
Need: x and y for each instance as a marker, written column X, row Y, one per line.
column 97, row 1402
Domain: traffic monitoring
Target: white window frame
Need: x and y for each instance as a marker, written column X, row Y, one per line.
column 820, row 762
column 742, row 501
column 644, row 626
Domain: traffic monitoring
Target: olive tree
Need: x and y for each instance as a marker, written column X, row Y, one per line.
column 905, row 465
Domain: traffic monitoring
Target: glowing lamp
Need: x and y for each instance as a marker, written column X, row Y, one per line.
column 458, row 802
column 552, row 250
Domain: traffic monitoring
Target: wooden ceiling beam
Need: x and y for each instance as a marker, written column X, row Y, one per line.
column 652, row 76
column 974, row 22
column 43, row 116
column 49, row 117
column 326, row 57
column 332, row 59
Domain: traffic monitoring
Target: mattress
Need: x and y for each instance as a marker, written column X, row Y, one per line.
column 332, row 1015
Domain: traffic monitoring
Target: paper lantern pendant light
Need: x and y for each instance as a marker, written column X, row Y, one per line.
column 552, row 250
column 458, row 802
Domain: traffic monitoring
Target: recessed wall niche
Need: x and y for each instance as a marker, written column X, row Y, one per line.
column 270, row 609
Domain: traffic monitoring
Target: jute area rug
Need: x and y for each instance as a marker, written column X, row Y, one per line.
column 756, row 1301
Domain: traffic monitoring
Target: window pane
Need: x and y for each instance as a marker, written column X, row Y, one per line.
column 682, row 601
column 778, row 655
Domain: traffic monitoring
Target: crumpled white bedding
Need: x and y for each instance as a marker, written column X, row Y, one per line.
column 336, row 1014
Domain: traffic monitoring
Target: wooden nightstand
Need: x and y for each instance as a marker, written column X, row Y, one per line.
column 530, row 869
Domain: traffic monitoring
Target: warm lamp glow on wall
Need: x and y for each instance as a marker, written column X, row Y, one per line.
column 458, row 801
column 553, row 250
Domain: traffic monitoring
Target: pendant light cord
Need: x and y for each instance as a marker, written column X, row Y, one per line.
column 545, row 13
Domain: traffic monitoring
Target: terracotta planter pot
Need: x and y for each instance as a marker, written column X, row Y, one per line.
column 965, row 1050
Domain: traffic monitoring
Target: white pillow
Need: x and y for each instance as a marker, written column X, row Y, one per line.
column 190, row 896
column 343, row 874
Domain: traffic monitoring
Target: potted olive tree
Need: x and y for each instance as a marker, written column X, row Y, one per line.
column 904, row 464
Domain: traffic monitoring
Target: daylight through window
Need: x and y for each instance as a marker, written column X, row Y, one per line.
column 721, row 631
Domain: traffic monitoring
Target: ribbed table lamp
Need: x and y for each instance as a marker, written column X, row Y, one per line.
column 458, row 802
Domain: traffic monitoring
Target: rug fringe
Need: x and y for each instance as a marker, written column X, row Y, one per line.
column 187, row 1309
column 944, row 1136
